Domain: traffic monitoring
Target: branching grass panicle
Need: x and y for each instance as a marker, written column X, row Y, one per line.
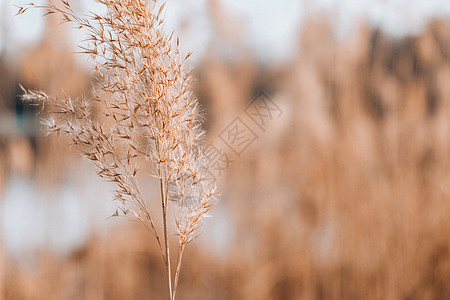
column 148, row 112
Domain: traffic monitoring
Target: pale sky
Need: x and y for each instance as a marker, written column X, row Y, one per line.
column 271, row 26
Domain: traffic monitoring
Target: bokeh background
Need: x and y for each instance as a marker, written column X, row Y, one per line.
column 343, row 195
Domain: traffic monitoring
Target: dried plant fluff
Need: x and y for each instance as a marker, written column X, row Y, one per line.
column 148, row 112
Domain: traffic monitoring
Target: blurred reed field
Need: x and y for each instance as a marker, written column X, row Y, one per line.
column 344, row 195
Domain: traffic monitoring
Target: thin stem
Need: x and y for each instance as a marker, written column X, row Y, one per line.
column 177, row 273
column 166, row 233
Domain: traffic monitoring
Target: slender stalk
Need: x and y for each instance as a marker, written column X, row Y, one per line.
column 166, row 232
column 177, row 273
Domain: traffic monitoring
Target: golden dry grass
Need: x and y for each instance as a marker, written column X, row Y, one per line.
column 344, row 197
column 147, row 114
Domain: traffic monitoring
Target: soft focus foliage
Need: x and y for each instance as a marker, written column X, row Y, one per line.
column 343, row 197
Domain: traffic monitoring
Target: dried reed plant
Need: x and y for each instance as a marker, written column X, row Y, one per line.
column 148, row 112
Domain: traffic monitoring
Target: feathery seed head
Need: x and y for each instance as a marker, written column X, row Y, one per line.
column 149, row 110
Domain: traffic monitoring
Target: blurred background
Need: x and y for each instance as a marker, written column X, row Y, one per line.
column 343, row 192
